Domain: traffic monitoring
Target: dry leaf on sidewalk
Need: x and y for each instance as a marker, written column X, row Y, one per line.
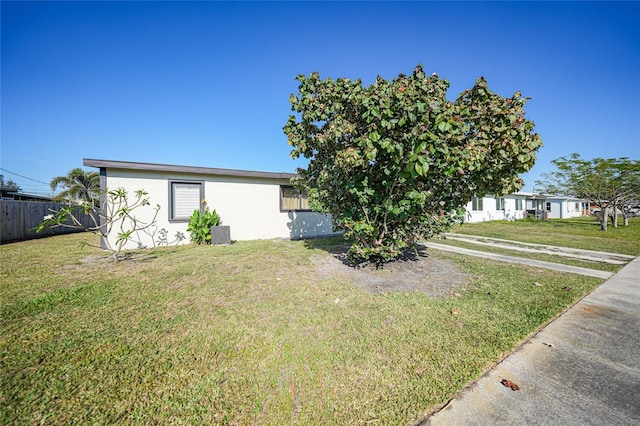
column 510, row 384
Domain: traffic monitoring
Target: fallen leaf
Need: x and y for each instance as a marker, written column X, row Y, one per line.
column 454, row 312
column 548, row 344
column 457, row 294
column 587, row 309
column 566, row 288
column 510, row 384
column 537, row 284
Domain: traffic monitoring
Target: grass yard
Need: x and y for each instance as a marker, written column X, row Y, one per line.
column 581, row 233
column 600, row 266
column 249, row 334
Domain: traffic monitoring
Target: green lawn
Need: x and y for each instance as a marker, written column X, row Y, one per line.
column 248, row 334
column 582, row 233
column 553, row 258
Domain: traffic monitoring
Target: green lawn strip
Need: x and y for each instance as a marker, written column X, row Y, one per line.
column 600, row 266
column 582, row 233
column 248, row 334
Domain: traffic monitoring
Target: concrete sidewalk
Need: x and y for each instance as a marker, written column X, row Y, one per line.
column 582, row 369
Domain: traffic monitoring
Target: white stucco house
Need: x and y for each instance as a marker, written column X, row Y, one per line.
column 264, row 205
column 565, row 207
column 487, row 207
column 256, row 205
column 523, row 204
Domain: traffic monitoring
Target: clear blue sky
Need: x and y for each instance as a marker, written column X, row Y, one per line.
column 207, row 83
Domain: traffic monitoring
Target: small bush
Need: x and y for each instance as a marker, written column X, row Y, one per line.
column 200, row 224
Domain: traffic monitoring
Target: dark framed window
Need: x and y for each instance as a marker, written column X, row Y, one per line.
column 292, row 199
column 184, row 198
column 548, row 206
column 518, row 204
column 476, row 204
column 499, row 203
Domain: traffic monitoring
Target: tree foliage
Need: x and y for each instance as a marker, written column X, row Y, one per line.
column 79, row 186
column 394, row 162
column 612, row 184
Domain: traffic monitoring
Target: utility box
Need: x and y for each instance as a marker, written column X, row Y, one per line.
column 220, row 235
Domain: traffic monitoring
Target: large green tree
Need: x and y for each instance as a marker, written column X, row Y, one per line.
column 612, row 184
column 395, row 162
column 78, row 186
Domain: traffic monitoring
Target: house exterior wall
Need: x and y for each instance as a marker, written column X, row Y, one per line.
column 554, row 209
column 489, row 211
column 562, row 208
column 249, row 205
column 549, row 208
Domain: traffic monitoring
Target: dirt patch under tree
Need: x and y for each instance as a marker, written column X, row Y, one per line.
column 417, row 272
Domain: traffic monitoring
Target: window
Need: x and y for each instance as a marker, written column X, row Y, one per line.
column 500, row 203
column 577, row 207
column 476, row 204
column 548, row 207
column 184, row 198
column 292, row 199
column 518, row 204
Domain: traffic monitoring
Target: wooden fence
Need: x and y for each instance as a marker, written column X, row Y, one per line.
column 18, row 218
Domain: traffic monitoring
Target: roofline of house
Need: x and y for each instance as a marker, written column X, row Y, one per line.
column 25, row 195
column 535, row 196
column 153, row 167
column 566, row 199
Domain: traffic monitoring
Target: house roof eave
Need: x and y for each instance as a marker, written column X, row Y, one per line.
column 155, row 167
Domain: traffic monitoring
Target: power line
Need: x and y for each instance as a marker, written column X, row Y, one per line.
column 17, row 174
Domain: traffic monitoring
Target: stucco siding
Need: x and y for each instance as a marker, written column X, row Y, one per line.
column 558, row 208
column 250, row 206
column 565, row 208
column 489, row 211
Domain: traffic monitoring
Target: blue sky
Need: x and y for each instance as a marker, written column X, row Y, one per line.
column 207, row 83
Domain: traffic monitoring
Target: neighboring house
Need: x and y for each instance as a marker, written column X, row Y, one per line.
column 256, row 205
column 565, row 207
column 11, row 193
column 522, row 204
column 488, row 207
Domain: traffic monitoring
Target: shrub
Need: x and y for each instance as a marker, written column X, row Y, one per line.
column 200, row 224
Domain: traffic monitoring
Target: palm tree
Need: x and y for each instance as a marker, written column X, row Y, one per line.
column 80, row 186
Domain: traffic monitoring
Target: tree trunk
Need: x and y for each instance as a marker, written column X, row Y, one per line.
column 604, row 218
column 614, row 216
column 626, row 221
